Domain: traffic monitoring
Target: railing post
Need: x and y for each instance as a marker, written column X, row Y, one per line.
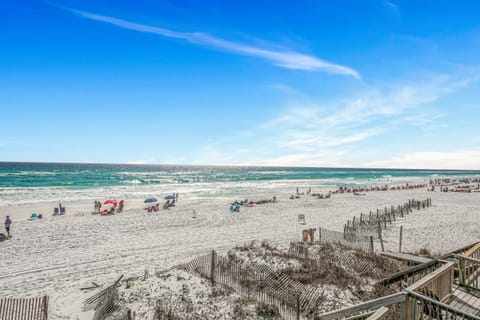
column 45, row 306
column 462, row 271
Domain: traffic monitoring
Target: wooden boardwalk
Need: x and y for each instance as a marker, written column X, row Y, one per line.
column 466, row 300
column 406, row 257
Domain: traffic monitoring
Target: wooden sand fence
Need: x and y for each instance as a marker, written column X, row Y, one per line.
column 106, row 303
column 24, row 308
column 323, row 236
column 372, row 223
column 258, row 282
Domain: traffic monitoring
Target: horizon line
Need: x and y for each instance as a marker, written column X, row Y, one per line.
column 2, row 162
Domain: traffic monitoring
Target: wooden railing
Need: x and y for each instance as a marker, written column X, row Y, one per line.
column 469, row 272
column 408, row 277
column 437, row 284
column 418, row 306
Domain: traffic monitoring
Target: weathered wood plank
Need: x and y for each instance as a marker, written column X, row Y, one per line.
column 406, row 257
column 366, row 306
column 379, row 314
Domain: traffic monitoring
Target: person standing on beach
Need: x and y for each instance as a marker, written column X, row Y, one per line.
column 8, row 223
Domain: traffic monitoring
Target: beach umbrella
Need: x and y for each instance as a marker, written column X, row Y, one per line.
column 110, row 201
column 170, row 197
column 150, row 200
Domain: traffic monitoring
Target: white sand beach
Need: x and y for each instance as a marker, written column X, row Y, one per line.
column 58, row 255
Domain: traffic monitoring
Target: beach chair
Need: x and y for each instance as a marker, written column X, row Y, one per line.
column 55, row 212
column 33, row 216
column 63, row 210
column 301, row 219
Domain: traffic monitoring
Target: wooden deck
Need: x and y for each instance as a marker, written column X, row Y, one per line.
column 406, row 257
column 466, row 300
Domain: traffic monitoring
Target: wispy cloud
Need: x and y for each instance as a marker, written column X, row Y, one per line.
column 344, row 132
column 392, row 6
column 464, row 159
column 285, row 58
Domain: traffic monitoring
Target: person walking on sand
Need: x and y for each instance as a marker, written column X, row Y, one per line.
column 8, row 223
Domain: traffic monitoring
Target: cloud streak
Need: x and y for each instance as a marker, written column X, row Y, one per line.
column 282, row 58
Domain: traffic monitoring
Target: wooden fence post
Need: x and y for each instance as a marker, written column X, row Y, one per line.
column 212, row 268
column 45, row 306
column 380, row 236
column 371, row 245
column 400, row 243
column 298, row 307
column 320, row 235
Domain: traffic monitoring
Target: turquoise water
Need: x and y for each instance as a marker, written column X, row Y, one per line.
column 81, row 176
column 35, row 183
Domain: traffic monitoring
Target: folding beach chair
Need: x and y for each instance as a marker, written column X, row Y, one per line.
column 55, row 212
column 62, row 210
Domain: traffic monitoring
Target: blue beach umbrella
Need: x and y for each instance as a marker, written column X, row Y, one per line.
column 170, row 197
column 150, row 200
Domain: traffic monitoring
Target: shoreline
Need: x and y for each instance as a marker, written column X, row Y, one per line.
column 58, row 255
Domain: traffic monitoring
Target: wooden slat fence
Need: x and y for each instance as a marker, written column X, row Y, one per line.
column 292, row 298
column 342, row 257
column 369, row 224
column 105, row 302
column 353, row 241
column 24, row 308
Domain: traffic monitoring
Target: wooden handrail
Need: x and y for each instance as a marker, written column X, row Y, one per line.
column 472, row 250
column 432, row 276
column 399, row 275
column 467, row 258
column 366, row 306
column 460, row 250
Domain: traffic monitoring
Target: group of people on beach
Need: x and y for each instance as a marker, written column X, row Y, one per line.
column 235, row 206
column 115, row 206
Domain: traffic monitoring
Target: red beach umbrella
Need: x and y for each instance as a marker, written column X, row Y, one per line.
column 110, row 201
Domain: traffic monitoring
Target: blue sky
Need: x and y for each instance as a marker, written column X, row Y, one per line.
column 304, row 83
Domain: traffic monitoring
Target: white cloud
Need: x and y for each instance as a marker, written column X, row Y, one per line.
column 336, row 133
column 466, row 159
column 392, row 6
column 283, row 58
column 147, row 161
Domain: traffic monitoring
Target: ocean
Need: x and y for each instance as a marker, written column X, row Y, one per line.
column 22, row 183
